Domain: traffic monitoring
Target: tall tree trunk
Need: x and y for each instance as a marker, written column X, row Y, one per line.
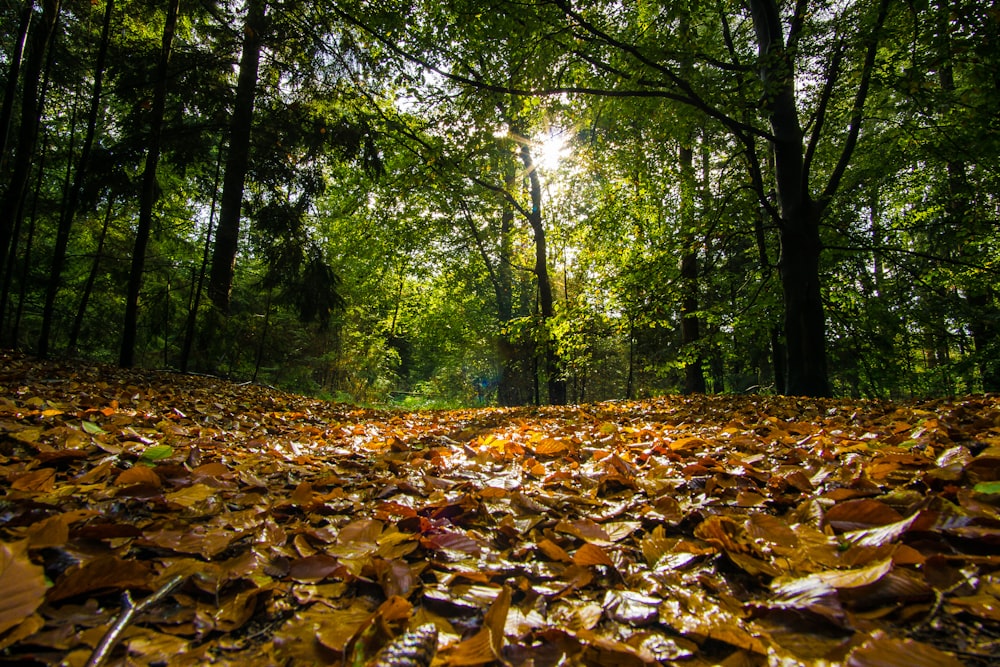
column 555, row 383
column 73, row 197
column 88, row 287
column 694, row 376
column 195, row 301
column 804, row 323
column 510, row 385
column 126, row 357
column 220, row 284
column 25, row 255
column 31, row 112
column 10, row 91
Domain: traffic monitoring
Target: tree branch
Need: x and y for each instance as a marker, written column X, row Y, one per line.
column 857, row 112
column 833, row 72
column 689, row 97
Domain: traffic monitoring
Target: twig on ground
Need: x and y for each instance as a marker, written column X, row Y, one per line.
column 129, row 611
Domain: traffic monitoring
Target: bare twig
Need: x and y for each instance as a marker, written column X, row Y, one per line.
column 129, row 611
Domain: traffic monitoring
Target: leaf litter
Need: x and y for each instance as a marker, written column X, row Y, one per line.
column 153, row 518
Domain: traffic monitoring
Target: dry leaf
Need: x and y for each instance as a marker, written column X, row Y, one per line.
column 22, row 583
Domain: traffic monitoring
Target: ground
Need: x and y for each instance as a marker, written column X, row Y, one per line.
column 188, row 520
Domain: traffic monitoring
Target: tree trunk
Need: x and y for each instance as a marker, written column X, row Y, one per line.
column 694, row 376
column 511, row 388
column 195, row 302
column 126, row 356
column 804, row 323
column 88, row 287
column 220, row 284
column 73, row 197
column 25, row 257
column 555, row 383
column 31, row 112
column 10, row 91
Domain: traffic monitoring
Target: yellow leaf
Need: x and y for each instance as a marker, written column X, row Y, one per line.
column 190, row 496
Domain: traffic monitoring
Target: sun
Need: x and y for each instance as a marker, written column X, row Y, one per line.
column 551, row 150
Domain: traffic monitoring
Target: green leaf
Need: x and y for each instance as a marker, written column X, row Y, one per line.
column 92, row 428
column 156, row 453
column 987, row 487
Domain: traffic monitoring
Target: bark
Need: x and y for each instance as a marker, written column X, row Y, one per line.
column 220, row 284
column 555, row 383
column 73, row 197
column 126, row 357
column 43, row 28
column 804, row 322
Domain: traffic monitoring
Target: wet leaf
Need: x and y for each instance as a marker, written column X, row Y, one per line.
column 734, row 530
column 882, row 651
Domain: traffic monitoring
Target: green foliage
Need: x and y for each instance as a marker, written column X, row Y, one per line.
column 386, row 254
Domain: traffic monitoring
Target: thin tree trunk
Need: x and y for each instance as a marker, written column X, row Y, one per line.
column 263, row 337
column 126, row 356
column 192, row 318
column 220, row 284
column 510, row 386
column 26, row 255
column 88, row 287
column 73, row 197
column 10, row 92
column 555, row 383
column 31, row 112
column 694, row 376
column 630, row 378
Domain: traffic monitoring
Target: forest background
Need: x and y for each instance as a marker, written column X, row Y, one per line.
column 514, row 202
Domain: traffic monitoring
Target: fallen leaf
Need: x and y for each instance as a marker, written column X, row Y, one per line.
column 22, row 583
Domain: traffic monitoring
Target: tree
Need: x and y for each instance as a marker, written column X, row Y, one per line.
column 73, row 198
column 148, row 194
column 227, row 231
column 12, row 201
column 605, row 52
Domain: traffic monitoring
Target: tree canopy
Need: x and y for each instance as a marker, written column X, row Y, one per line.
column 546, row 201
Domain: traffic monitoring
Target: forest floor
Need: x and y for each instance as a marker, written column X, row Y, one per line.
column 153, row 518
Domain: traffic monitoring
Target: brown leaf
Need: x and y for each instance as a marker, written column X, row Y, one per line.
column 22, row 583
column 821, row 582
column 313, row 568
column 486, row 645
column 883, row 651
column 364, row 531
column 591, row 554
column 631, row 607
column 412, row 649
column 41, row 480
column 861, row 513
column 138, row 474
column 101, row 574
column 50, row 532
column 209, row 541
column 554, row 551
